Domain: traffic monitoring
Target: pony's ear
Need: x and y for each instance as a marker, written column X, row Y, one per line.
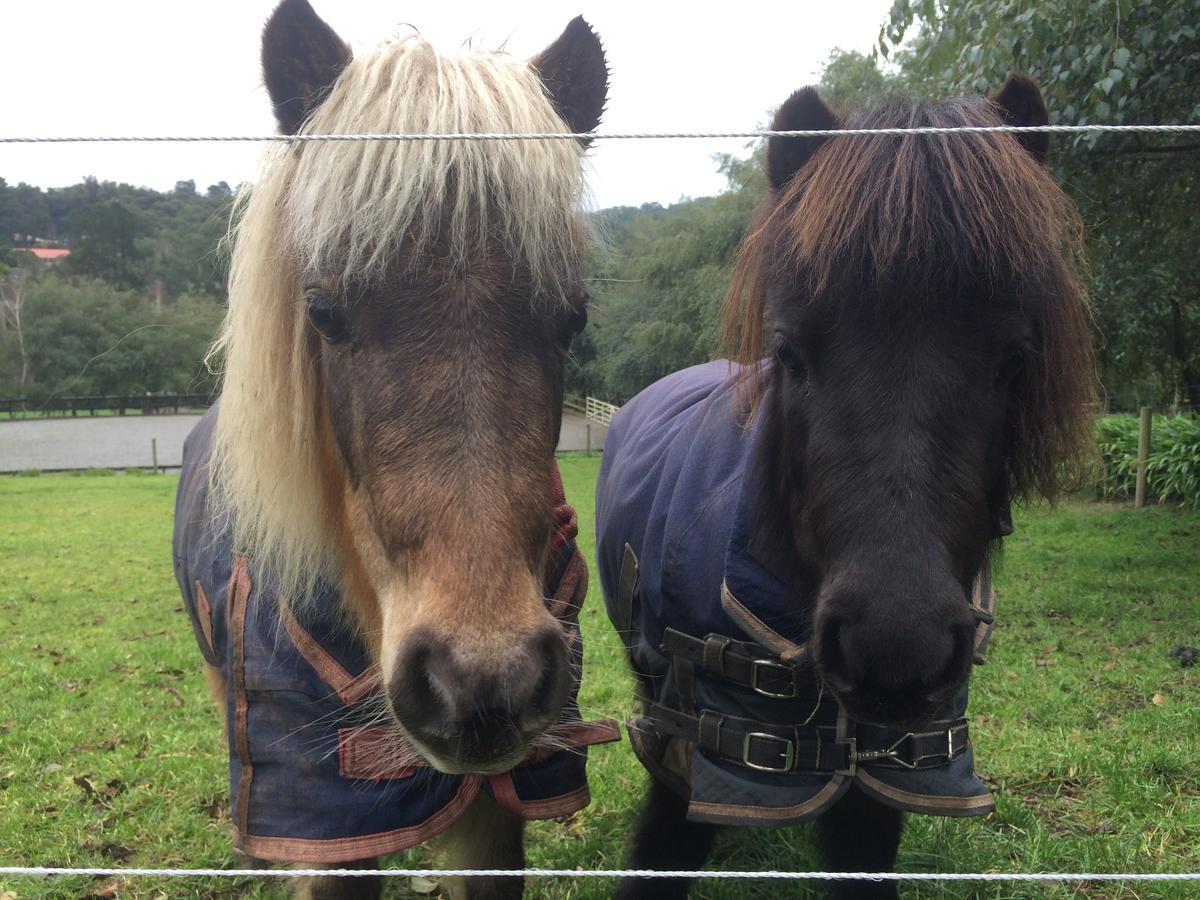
column 301, row 59
column 575, row 74
column 1020, row 102
column 803, row 111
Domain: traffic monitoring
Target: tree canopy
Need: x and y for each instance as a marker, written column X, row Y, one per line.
column 135, row 305
column 659, row 275
column 1097, row 61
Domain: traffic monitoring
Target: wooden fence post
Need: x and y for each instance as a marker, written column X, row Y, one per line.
column 154, row 453
column 1139, row 497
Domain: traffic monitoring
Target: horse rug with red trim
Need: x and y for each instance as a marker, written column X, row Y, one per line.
column 317, row 774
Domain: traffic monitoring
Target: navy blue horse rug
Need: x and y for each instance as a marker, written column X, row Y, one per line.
column 317, row 775
column 734, row 719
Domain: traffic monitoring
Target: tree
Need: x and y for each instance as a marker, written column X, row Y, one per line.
column 851, row 80
column 1098, row 61
column 13, row 282
column 108, row 244
column 659, row 287
column 84, row 336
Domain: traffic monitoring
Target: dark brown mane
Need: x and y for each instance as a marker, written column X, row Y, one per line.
column 885, row 219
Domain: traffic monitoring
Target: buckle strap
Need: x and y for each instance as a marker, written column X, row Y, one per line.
column 768, row 747
column 983, row 607
column 739, row 662
column 941, row 743
column 756, row 745
column 788, row 651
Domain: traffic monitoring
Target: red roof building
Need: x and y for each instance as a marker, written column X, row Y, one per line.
column 45, row 254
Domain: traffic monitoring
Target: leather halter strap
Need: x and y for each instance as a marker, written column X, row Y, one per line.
column 982, row 605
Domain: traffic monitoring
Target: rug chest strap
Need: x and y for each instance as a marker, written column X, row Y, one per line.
column 740, row 662
column 770, row 747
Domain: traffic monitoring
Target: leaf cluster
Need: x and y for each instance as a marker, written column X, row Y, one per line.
column 1172, row 468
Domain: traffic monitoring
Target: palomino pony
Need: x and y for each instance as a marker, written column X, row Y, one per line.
column 795, row 546
column 379, row 473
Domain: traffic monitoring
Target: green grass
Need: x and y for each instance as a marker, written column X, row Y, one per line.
column 111, row 754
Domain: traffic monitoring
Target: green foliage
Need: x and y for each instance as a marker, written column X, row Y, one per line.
column 132, row 309
column 108, row 244
column 86, row 337
column 135, row 238
column 852, row 80
column 1172, row 469
column 658, row 292
column 1097, row 61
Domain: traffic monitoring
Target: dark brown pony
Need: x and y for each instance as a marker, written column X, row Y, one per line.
column 918, row 302
column 400, row 315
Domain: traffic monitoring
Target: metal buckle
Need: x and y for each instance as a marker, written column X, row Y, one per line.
column 757, row 665
column 851, row 745
column 950, row 749
column 789, row 753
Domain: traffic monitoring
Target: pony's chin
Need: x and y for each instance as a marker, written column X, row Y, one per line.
column 467, row 766
column 909, row 715
column 474, row 767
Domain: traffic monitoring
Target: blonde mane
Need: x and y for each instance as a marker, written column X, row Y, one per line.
column 349, row 210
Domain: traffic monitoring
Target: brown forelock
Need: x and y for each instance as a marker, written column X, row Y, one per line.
column 445, row 408
column 922, row 218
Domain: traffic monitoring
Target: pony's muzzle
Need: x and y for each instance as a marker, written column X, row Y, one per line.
column 479, row 712
column 893, row 662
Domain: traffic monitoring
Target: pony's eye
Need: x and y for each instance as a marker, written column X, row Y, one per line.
column 789, row 358
column 575, row 321
column 1011, row 368
column 325, row 316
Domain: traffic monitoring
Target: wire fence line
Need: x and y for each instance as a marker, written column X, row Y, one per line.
column 770, row 875
column 1186, row 128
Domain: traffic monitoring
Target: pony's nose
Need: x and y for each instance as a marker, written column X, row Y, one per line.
column 893, row 662
column 480, row 713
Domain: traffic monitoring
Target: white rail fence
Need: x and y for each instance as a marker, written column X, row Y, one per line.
column 599, row 411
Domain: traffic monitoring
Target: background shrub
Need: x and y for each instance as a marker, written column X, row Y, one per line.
column 1173, row 469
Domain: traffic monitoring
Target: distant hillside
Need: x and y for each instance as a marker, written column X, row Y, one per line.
column 130, row 237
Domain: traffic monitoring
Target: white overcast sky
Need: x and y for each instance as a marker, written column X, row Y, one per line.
column 171, row 67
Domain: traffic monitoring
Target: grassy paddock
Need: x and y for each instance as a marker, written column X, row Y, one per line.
column 110, row 752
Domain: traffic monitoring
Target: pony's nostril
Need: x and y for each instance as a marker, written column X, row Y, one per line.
column 894, row 668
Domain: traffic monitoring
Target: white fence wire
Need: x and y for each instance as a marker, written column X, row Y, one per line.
column 612, row 136
column 604, row 873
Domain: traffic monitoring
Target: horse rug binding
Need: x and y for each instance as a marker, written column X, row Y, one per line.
column 316, row 776
column 734, row 719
